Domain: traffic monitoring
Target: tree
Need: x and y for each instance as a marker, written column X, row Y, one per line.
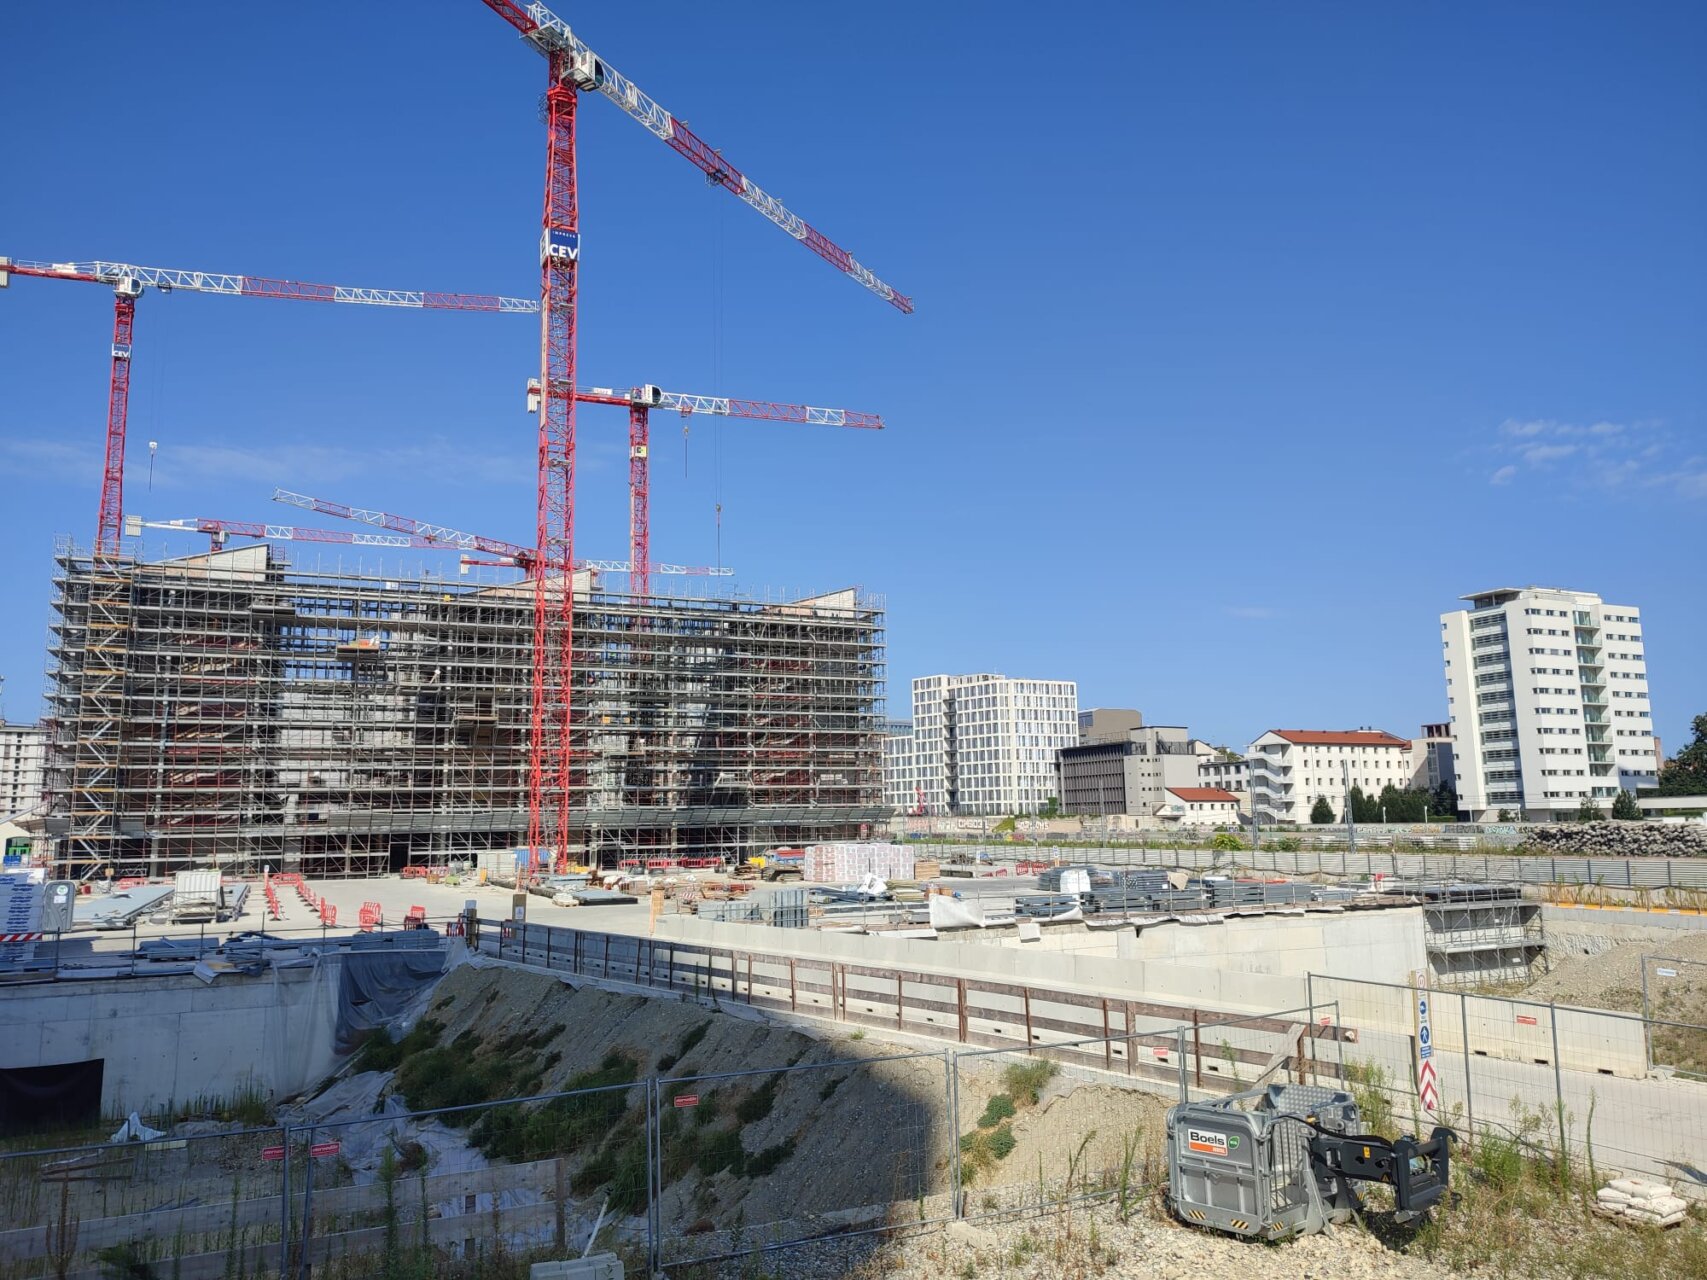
column 1589, row 811
column 1364, row 808
column 1444, row 802
column 1685, row 774
column 1051, row 808
column 1625, row 808
column 1321, row 813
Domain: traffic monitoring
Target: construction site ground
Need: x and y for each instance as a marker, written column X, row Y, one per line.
column 396, row 896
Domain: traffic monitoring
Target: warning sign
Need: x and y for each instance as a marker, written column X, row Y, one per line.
column 1206, row 1142
column 1527, row 1020
column 686, row 1100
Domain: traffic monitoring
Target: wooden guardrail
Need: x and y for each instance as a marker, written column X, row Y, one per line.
column 1136, row 1037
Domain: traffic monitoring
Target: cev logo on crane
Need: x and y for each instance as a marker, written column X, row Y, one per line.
column 563, row 245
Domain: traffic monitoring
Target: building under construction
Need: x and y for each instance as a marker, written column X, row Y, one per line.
column 228, row 709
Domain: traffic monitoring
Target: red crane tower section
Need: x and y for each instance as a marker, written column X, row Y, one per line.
column 573, row 67
column 128, row 283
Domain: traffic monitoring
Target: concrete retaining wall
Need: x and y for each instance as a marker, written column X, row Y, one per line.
column 1588, row 931
column 175, row 1038
column 1387, row 945
column 1186, row 984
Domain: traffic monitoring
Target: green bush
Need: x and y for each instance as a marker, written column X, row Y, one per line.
column 757, row 1104
column 768, row 1159
column 1226, row 841
column 1025, row 1080
column 999, row 1108
column 381, row 1053
column 1002, row 1142
column 721, row 1149
column 1289, row 844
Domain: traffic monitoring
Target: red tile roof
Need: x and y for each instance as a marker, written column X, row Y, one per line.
column 1203, row 795
column 1330, row 738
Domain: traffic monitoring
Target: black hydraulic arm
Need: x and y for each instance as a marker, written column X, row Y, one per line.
column 1418, row 1172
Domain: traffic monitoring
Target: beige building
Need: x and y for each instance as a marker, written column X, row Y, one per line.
column 1292, row 768
column 1199, row 807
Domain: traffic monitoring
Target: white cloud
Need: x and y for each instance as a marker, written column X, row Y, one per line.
column 43, row 459
column 1524, row 429
column 1627, row 456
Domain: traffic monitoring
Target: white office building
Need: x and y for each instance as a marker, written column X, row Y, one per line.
column 23, row 754
column 1290, row 769
column 901, row 783
column 1548, row 694
column 985, row 744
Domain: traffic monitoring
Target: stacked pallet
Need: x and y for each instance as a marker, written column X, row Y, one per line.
column 1636, row 1200
column 848, row 862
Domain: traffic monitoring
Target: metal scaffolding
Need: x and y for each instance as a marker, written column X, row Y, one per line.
column 231, row 710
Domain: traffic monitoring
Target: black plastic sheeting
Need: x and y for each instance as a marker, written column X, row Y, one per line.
column 64, row 1096
column 376, row 988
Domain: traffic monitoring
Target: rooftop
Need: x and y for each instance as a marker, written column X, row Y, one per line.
column 1340, row 738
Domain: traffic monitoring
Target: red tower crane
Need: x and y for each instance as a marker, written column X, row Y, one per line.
column 424, row 534
column 640, row 402
column 128, row 283
column 571, row 68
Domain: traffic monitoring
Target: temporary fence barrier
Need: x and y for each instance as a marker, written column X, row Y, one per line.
column 663, row 1168
column 1557, row 1081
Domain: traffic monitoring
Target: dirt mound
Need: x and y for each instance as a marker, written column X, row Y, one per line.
column 822, row 1128
column 1612, row 979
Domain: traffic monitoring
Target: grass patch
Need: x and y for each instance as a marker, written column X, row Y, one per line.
column 998, row 1109
column 1025, row 1080
column 757, row 1104
column 381, row 1053
column 1368, row 1083
column 982, row 1148
column 689, row 1043
column 766, row 1161
column 563, row 1125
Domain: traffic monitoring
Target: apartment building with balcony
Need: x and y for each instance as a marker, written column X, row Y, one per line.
column 986, row 745
column 1291, row 768
column 1548, row 694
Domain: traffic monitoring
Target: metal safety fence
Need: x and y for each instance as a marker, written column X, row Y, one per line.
column 835, row 1149
column 1366, row 862
column 1558, row 1082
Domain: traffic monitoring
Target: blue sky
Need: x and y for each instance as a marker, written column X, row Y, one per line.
column 1249, row 336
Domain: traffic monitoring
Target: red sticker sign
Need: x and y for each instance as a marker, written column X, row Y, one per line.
column 687, row 1100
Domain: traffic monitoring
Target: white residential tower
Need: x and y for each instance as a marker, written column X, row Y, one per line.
column 985, row 744
column 1548, row 693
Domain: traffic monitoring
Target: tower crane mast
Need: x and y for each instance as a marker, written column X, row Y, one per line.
column 572, row 68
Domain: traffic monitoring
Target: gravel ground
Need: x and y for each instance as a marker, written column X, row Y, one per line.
column 1613, row 979
column 1092, row 1242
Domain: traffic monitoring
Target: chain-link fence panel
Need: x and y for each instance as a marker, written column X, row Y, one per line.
column 1541, row 1081
column 1065, row 1122
column 525, row 1179
column 1674, row 1000
column 178, row 1200
column 754, row 1162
